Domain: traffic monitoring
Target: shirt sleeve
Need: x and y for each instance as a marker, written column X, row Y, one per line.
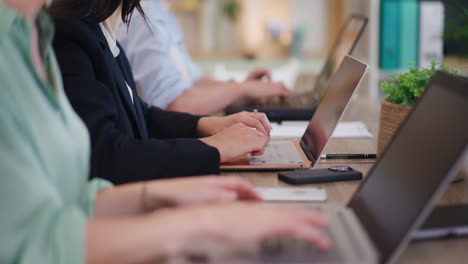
column 193, row 67
column 151, row 55
column 90, row 193
column 37, row 225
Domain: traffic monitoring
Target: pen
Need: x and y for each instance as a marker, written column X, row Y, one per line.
column 348, row 156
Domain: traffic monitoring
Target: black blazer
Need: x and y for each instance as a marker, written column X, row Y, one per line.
column 130, row 141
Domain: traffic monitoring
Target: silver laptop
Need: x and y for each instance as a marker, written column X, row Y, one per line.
column 294, row 154
column 398, row 193
column 308, row 90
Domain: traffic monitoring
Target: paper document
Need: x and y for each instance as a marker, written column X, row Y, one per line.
column 292, row 194
column 355, row 129
column 295, row 129
column 288, row 129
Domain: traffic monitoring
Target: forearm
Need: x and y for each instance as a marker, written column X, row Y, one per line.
column 123, row 200
column 140, row 239
column 136, row 198
column 165, row 124
column 207, row 99
column 205, row 80
column 121, row 160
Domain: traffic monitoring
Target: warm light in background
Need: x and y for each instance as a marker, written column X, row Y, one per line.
column 251, row 26
column 265, row 27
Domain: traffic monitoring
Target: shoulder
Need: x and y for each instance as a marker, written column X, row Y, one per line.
column 79, row 37
column 83, row 31
column 149, row 32
column 155, row 18
column 72, row 27
column 155, row 12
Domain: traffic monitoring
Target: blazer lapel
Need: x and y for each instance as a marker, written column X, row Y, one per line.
column 129, row 105
column 135, row 106
column 120, row 82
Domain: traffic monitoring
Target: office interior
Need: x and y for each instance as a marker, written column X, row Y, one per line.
column 228, row 38
column 293, row 38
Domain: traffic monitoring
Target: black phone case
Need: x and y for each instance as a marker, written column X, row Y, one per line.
column 318, row 176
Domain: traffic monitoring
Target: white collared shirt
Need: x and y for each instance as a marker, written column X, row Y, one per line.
column 112, row 42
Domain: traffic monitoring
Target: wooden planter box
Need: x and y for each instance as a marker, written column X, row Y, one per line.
column 391, row 116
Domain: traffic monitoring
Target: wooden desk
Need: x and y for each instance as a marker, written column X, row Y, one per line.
column 367, row 110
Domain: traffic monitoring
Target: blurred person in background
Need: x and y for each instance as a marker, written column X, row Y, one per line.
column 51, row 213
column 167, row 75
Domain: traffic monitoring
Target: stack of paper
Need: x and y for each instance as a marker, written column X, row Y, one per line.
column 295, row 129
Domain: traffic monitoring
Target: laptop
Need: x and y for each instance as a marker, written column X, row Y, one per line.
column 396, row 196
column 295, row 154
column 449, row 221
column 302, row 105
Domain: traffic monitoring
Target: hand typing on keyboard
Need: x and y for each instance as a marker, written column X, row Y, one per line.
column 237, row 141
column 232, row 135
column 228, row 226
column 208, row 126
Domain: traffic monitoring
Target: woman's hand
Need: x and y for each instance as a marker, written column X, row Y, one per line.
column 264, row 89
column 174, row 231
column 197, row 190
column 258, row 85
column 259, row 74
column 236, row 141
column 236, row 225
column 208, row 126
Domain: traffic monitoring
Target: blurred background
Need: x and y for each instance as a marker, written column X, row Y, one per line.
column 227, row 38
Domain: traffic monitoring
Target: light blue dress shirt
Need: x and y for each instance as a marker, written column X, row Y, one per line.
column 160, row 62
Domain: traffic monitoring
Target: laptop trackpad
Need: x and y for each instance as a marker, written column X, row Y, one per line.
column 277, row 152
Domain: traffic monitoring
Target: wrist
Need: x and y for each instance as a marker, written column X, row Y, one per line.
column 240, row 88
column 211, row 141
column 176, row 233
column 208, row 126
column 203, row 127
column 154, row 196
column 169, row 237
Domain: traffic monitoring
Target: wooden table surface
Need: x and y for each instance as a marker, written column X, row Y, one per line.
column 367, row 110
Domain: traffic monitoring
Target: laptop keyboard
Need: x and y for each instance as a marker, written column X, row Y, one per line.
column 289, row 250
column 300, row 100
column 295, row 101
column 277, row 152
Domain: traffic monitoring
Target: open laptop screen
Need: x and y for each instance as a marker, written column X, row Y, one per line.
column 331, row 107
column 344, row 45
column 399, row 189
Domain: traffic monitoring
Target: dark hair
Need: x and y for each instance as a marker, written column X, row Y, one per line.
column 102, row 9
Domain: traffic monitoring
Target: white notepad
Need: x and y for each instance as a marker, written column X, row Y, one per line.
column 295, row 129
column 292, row 194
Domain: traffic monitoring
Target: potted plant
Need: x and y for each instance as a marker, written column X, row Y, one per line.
column 231, row 9
column 401, row 94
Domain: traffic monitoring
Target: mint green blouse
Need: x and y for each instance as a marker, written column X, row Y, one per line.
column 45, row 197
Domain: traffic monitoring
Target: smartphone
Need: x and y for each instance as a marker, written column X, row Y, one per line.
column 338, row 173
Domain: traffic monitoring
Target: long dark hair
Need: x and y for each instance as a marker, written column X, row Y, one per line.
column 101, row 9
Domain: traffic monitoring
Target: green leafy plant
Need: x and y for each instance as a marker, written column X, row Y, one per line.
column 405, row 89
column 456, row 26
column 231, row 9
